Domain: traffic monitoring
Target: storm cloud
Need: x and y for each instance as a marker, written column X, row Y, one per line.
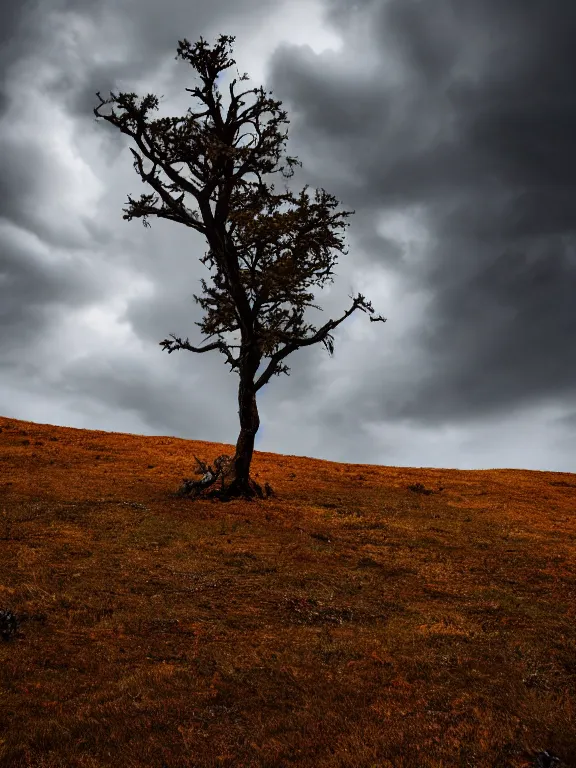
column 450, row 133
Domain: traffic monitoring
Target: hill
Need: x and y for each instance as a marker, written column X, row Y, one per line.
column 362, row 616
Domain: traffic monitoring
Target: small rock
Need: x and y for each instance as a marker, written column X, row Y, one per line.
column 8, row 625
column 547, row 760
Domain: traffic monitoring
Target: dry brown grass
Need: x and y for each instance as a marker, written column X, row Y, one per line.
column 349, row 621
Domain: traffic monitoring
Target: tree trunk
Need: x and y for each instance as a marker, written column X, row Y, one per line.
column 234, row 472
column 239, row 482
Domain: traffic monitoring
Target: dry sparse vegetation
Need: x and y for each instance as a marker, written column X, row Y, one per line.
column 352, row 619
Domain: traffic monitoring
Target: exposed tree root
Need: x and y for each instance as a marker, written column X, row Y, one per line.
column 229, row 487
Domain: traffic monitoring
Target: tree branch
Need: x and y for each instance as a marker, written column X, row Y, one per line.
column 172, row 346
column 323, row 335
column 172, row 209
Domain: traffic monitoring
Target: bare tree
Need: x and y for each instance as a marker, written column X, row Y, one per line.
column 265, row 259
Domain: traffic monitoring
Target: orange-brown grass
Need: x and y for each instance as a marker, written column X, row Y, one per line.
column 348, row 621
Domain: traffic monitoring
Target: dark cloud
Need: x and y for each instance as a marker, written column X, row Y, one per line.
column 479, row 132
column 16, row 36
column 447, row 127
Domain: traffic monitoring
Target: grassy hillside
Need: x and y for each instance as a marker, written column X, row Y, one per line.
column 353, row 619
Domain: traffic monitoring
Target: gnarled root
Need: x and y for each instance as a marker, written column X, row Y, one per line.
column 229, row 487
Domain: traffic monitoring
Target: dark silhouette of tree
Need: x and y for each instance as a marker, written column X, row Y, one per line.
column 264, row 258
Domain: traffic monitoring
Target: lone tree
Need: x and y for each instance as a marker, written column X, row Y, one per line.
column 264, row 258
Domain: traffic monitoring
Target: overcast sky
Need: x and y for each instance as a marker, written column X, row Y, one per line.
column 448, row 126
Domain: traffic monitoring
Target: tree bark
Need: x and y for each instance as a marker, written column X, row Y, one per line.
column 240, row 483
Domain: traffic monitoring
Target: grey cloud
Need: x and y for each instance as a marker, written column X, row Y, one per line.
column 464, row 115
